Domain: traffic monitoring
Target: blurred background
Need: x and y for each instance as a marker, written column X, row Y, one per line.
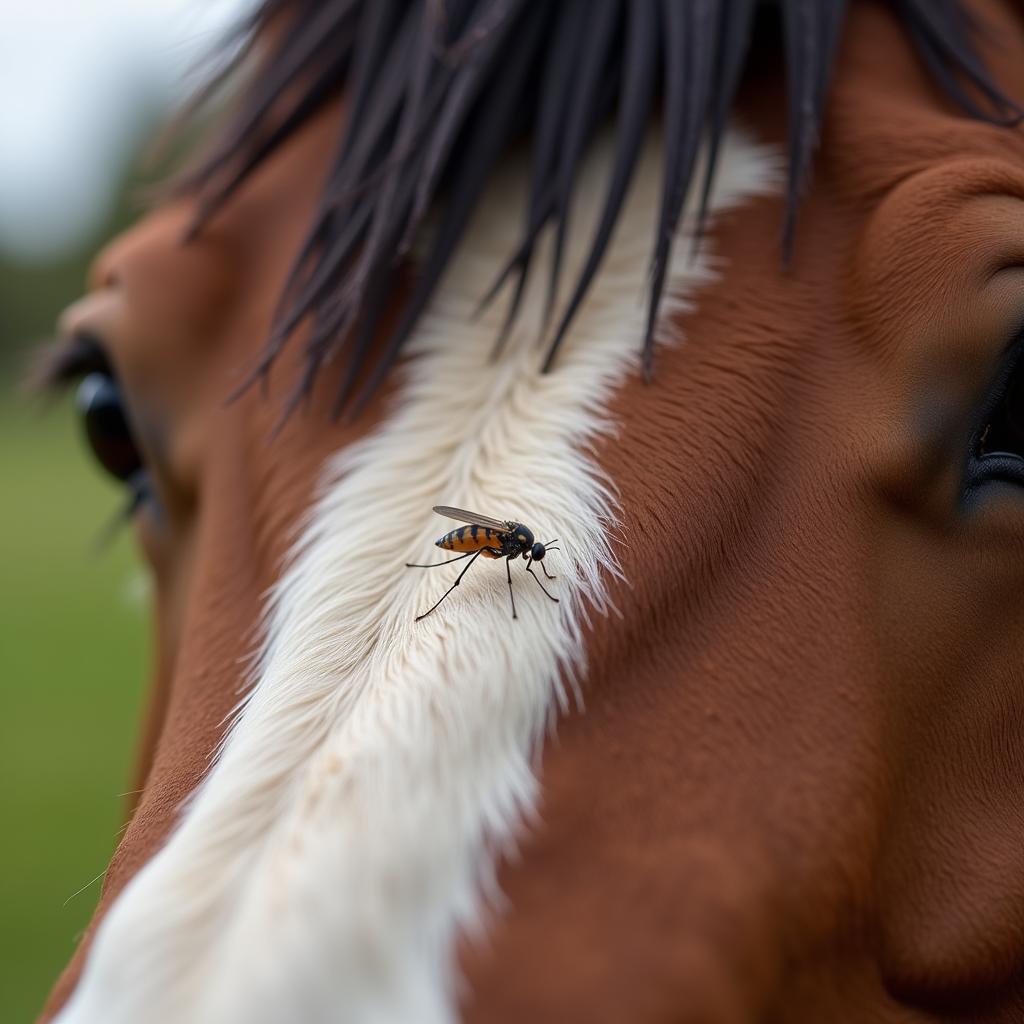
column 84, row 86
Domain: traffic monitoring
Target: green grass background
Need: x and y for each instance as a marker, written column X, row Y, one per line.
column 72, row 669
column 74, row 627
column 73, row 642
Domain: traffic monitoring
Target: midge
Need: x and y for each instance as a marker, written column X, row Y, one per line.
column 491, row 538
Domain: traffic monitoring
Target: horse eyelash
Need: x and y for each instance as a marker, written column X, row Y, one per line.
column 53, row 371
column 57, row 366
column 139, row 491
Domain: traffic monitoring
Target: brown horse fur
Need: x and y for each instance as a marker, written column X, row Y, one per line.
column 795, row 792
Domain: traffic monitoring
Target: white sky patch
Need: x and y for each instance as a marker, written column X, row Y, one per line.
column 78, row 81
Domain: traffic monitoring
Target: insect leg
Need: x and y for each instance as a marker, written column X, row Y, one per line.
column 548, row 547
column 508, row 569
column 434, row 565
column 476, row 555
column 529, row 569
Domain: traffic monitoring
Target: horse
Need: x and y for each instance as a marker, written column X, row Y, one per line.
column 727, row 296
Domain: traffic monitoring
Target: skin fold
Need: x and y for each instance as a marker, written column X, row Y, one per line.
column 795, row 794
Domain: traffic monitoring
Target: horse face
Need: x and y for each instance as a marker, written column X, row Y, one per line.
column 796, row 790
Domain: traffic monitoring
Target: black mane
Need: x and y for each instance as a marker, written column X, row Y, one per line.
column 439, row 89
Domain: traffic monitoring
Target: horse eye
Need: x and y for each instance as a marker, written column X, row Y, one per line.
column 106, row 426
column 999, row 449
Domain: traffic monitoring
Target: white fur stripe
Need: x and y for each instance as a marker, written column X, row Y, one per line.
column 351, row 824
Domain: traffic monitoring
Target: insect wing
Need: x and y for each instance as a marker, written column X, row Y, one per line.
column 472, row 518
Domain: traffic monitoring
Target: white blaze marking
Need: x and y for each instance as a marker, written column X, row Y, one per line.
column 351, row 825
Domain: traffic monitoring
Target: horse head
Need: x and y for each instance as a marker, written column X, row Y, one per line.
column 763, row 759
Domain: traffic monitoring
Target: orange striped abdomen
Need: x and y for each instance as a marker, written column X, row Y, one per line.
column 471, row 538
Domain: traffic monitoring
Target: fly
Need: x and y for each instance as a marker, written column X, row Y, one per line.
column 492, row 538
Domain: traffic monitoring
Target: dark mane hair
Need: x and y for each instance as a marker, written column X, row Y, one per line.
column 439, row 89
